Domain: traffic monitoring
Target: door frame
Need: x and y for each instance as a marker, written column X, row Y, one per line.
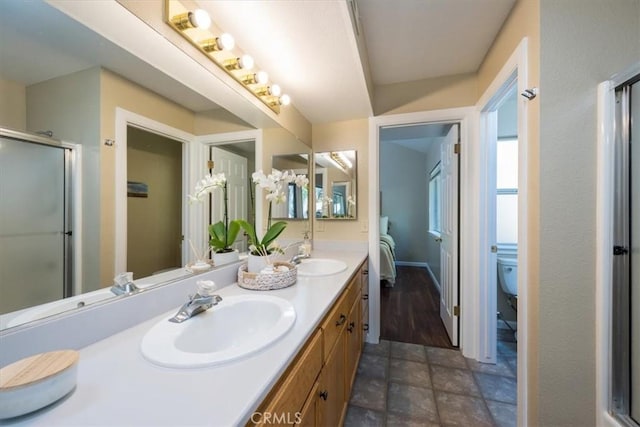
column 467, row 254
column 125, row 118
column 516, row 67
column 216, row 139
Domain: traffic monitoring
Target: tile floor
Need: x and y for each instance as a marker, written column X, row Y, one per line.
column 400, row 384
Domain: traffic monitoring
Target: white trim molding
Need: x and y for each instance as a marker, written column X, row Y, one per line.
column 468, row 205
column 516, row 65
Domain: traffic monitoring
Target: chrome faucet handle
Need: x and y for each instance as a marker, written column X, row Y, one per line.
column 199, row 302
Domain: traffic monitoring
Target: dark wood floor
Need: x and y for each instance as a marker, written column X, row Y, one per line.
column 410, row 310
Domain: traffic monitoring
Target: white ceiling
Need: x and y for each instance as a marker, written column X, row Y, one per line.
column 411, row 40
column 308, row 47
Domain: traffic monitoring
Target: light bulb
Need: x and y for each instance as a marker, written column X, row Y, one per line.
column 226, row 41
column 246, row 62
column 262, row 77
column 285, row 100
column 275, row 90
column 199, row 18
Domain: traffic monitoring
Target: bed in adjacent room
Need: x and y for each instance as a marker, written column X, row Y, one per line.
column 387, row 254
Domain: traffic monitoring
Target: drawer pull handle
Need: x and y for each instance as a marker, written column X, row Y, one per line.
column 365, row 272
column 324, row 394
column 365, row 327
column 341, row 321
column 351, row 326
column 365, row 297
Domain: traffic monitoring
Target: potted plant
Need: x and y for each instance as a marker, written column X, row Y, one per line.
column 223, row 233
column 276, row 185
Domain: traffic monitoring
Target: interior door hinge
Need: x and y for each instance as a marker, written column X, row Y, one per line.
column 456, row 310
column 210, row 164
column 456, row 149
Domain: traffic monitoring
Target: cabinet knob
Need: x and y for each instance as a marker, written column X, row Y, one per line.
column 365, row 327
column 324, row 394
column 351, row 326
column 341, row 321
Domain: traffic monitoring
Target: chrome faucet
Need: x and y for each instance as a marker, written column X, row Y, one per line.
column 123, row 284
column 297, row 259
column 202, row 301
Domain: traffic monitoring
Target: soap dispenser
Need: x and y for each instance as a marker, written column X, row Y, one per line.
column 305, row 248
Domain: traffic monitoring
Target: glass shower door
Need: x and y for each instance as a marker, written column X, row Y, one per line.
column 32, row 224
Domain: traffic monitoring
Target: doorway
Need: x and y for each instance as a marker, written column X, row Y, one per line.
column 154, row 203
column 235, row 160
column 417, row 220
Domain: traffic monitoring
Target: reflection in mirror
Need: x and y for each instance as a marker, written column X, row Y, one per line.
column 336, row 185
column 68, row 81
column 237, row 161
column 296, row 204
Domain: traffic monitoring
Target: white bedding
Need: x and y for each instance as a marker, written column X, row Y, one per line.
column 387, row 259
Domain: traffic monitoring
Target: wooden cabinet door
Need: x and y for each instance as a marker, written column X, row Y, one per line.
column 330, row 402
column 307, row 416
column 353, row 339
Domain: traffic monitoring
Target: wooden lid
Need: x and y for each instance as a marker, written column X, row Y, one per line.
column 36, row 368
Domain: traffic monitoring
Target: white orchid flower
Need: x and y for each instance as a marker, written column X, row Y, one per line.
column 207, row 185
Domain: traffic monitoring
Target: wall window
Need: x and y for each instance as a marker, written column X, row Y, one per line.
column 435, row 201
column 507, row 191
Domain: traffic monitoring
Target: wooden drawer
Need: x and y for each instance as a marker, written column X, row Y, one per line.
column 291, row 393
column 334, row 324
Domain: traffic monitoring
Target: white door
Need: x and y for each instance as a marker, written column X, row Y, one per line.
column 449, row 235
column 235, row 169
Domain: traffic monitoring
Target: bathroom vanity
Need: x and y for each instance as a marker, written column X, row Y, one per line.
column 307, row 373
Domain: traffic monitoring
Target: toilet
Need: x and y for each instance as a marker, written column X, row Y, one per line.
column 508, row 275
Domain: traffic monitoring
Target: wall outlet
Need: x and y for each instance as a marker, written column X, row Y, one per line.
column 319, row 226
column 364, row 226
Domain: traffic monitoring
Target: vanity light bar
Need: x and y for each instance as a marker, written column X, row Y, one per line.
column 341, row 160
column 194, row 25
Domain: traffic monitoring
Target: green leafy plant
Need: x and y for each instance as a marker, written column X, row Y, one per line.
column 275, row 184
column 223, row 233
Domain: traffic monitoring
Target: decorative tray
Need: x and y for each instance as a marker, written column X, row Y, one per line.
column 268, row 281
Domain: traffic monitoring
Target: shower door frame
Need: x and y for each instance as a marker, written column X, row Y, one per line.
column 612, row 388
column 72, row 205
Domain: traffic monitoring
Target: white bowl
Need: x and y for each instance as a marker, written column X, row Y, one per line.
column 37, row 381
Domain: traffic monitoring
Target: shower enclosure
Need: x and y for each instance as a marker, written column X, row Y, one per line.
column 35, row 221
column 626, row 256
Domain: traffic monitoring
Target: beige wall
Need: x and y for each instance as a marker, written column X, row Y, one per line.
column 116, row 91
column 346, row 135
column 218, row 121
column 13, row 105
column 280, row 141
column 582, row 42
column 423, row 95
column 154, row 223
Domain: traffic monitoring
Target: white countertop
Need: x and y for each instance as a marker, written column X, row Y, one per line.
column 118, row 387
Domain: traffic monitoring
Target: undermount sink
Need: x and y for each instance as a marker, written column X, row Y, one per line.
column 238, row 326
column 320, row 267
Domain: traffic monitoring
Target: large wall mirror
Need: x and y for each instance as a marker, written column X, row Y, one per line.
column 297, row 200
column 335, row 185
column 68, row 80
